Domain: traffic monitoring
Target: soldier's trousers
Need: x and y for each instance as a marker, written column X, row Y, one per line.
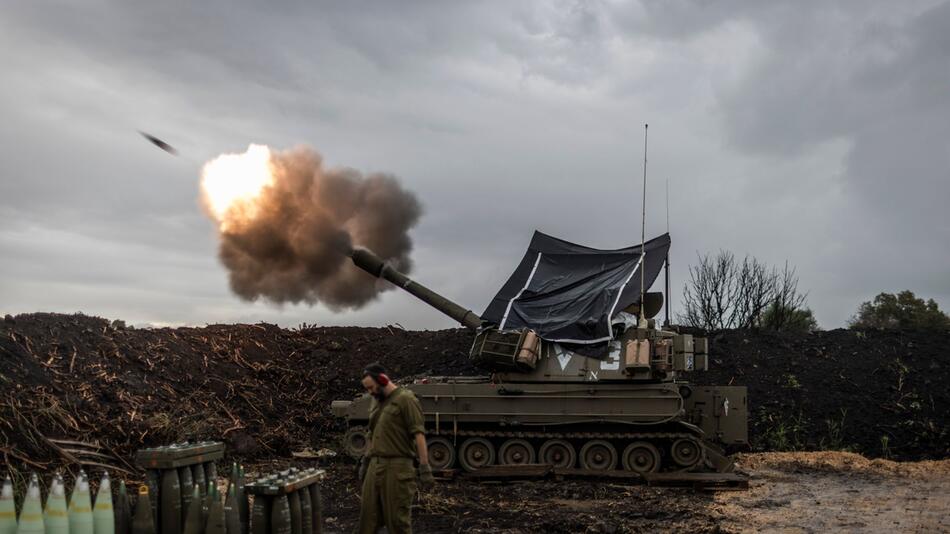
column 388, row 490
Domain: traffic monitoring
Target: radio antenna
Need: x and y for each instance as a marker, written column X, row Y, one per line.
column 642, row 323
column 666, row 323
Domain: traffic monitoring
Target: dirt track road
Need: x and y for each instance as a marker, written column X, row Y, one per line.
column 789, row 492
column 834, row 492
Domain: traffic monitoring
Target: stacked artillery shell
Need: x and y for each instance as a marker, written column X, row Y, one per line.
column 80, row 507
column 316, row 505
column 152, row 480
column 260, row 515
column 123, row 511
column 185, row 486
column 306, row 510
column 215, row 522
column 280, row 515
column 55, row 516
column 295, row 513
column 206, row 502
column 31, row 516
column 232, row 516
column 244, row 508
column 170, row 506
column 211, row 471
column 172, row 473
column 103, row 517
column 198, row 479
column 7, row 508
column 142, row 521
column 287, row 502
column 193, row 517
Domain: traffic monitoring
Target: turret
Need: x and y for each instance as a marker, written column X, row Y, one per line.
column 520, row 355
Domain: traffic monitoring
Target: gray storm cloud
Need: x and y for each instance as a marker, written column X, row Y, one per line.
column 289, row 244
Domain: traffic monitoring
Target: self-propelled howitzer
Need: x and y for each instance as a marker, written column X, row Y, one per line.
column 622, row 403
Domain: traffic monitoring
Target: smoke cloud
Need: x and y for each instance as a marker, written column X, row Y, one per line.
column 289, row 243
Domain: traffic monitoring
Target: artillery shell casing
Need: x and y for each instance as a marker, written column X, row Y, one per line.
column 316, row 505
column 232, row 516
column 295, row 510
column 123, row 511
column 31, row 514
column 280, row 515
column 8, row 508
column 153, row 481
column 193, row 524
column 80, row 508
column 306, row 511
column 185, row 487
column 260, row 515
column 211, row 472
column 198, row 479
column 215, row 524
column 206, row 504
column 170, row 509
column 55, row 516
column 244, row 507
column 103, row 513
column 142, row 521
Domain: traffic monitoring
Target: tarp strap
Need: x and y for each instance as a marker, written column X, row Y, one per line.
column 504, row 318
column 610, row 316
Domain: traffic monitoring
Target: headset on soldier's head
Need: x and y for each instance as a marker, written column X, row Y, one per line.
column 377, row 372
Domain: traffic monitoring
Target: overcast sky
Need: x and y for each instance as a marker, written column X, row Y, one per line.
column 812, row 132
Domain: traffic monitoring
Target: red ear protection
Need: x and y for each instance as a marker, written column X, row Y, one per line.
column 382, row 379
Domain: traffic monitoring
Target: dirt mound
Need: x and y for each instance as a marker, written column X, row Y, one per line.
column 883, row 394
column 835, row 492
column 264, row 389
column 842, row 462
column 267, row 390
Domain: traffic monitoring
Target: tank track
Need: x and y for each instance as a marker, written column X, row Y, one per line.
column 659, row 440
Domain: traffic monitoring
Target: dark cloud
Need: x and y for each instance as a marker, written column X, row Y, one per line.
column 811, row 132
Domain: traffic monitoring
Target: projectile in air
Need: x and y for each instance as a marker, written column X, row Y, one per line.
column 159, row 143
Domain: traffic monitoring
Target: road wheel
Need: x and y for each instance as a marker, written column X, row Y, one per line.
column 598, row 455
column 641, row 457
column 476, row 453
column 558, row 453
column 516, row 452
column 441, row 453
column 356, row 441
column 686, row 452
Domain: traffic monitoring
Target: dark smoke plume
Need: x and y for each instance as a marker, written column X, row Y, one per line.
column 294, row 248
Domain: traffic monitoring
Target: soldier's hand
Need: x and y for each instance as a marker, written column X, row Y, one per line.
column 426, row 480
column 364, row 465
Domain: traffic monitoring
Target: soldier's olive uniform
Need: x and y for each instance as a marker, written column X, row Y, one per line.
column 390, row 482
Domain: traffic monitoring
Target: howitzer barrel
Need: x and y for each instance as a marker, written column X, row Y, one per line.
column 369, row 262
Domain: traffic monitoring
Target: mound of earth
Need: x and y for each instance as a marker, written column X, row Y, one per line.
column 835, row 492
column 266, row 390
column 880, row 393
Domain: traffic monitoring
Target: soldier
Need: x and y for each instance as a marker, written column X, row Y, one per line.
column 397, row 440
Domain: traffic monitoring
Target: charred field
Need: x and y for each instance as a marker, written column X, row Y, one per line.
column 266, row 392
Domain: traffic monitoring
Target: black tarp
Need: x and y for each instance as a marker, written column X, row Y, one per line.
column 569, row 293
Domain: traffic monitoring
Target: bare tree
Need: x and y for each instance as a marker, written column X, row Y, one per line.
column 785, row 308
column 723, row 293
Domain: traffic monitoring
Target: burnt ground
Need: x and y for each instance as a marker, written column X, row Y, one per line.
column 266, row 391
